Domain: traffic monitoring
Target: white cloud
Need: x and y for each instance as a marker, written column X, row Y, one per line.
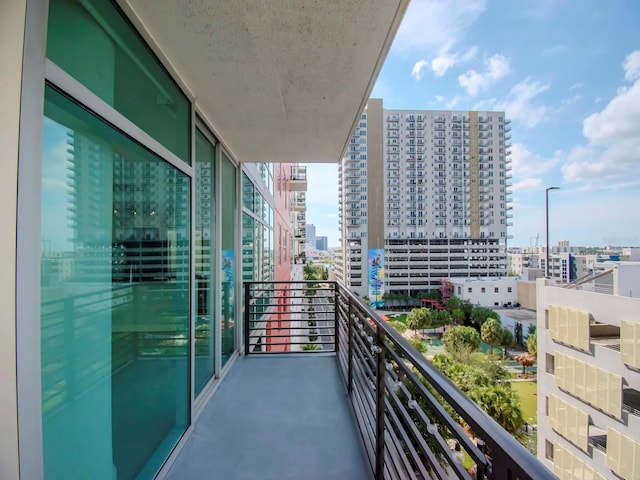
column 452, row 103
column 631, row 66
column 527, row 184
column 445, row 60
column 527, row 164
column 519, row 103
column 416, row 71
column 473, row 82
column 613, row 150
column 571, row 100
column 555, row 50
column 448, row 104
column 619, row 121
column 436, row 25
column 576, row 86
column 432, row 28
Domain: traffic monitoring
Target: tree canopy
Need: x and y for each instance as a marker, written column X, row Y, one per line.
column 501, row 403
column 491, row 332
column 532, row 344
column 418, row 318
column 460, row 342
column 479, row 315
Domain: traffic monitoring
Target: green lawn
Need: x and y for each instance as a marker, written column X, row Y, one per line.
column 528, row 401
column 398, row 317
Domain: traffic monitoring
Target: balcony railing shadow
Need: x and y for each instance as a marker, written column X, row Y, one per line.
column 281, row 412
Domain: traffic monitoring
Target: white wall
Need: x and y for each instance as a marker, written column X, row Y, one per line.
column 489, row 297
column 626, row 280
column 12, row 21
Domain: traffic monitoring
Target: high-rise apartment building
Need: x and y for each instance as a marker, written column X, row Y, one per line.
column 310, row 234
column 424, row 195
column 589, row 378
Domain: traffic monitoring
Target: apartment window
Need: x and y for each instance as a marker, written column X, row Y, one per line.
column 549, row 361
column 496, row 290
column 509, row 289
column 482, row 290
column 131, row 262
column 131, row 79
column 548, row 450
column 469, row 290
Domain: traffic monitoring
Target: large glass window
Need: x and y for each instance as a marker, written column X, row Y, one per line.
column 115, row 299
column 96, row 45
column 204, row 261
column 227, row 270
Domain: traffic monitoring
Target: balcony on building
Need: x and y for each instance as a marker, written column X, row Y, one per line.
column 298, row 179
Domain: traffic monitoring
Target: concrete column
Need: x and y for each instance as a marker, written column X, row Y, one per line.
column 12, row 25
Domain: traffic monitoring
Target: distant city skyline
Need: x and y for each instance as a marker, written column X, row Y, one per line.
column 568, row 76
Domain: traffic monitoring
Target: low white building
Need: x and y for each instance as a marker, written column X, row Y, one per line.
column 589, row 379
column 487, row 292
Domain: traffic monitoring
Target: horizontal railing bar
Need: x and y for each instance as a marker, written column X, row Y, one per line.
column 439, row 411
column 433, row 462
column 392, row 452
column 406, row 462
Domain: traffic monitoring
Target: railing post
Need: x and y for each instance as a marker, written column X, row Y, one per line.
column 336, row 324
column 247, row 316
column 350, row 353
column 380, row 374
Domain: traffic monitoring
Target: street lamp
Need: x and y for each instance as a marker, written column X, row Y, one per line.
column 546, row 195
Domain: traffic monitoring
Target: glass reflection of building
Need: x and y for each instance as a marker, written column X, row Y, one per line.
column 138, row 220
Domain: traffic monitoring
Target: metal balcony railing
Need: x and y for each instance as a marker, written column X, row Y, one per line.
column 409, row 415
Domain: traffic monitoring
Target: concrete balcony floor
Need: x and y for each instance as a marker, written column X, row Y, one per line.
column 276, row 417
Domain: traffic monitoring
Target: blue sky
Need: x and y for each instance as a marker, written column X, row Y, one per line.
column 567, row 72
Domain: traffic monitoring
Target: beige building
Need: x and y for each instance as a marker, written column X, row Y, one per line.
column 424, row 195
column 588, row 383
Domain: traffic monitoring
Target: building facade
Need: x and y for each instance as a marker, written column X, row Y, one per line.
column 140, row 190
column 588, row 383
column 423, row 195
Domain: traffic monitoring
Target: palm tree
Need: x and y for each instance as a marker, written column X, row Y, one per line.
column 526, row 360
column 501, row 403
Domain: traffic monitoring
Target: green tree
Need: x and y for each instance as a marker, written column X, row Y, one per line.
column 413, row 321
column 440, row 318
column 479, row 315
column 430, row 295
column 501, row 403
column 418, row 344
column 453, row 304
column 507, row 341
column 467, row 307
column 460, row 342
column 466, row 377
column 532, row 344
column 526, row 360
column 398, row 326
column 491, row 332
column 419, row 318
column 458, row 316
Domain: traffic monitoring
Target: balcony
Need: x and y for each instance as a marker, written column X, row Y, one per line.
column 327, row 390
column 298, row 180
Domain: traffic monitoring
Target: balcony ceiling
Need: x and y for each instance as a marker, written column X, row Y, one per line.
column 279, row 80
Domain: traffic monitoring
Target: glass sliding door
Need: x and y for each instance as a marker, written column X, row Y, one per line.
column 228, row 176
column 114, row 299
column 204, row 261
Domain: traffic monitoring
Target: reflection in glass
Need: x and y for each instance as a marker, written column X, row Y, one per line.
column 94, row 43
column 115, row 300
column 227, row 269
column 204, row 258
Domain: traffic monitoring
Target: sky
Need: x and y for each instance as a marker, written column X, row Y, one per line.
column 566, row 72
